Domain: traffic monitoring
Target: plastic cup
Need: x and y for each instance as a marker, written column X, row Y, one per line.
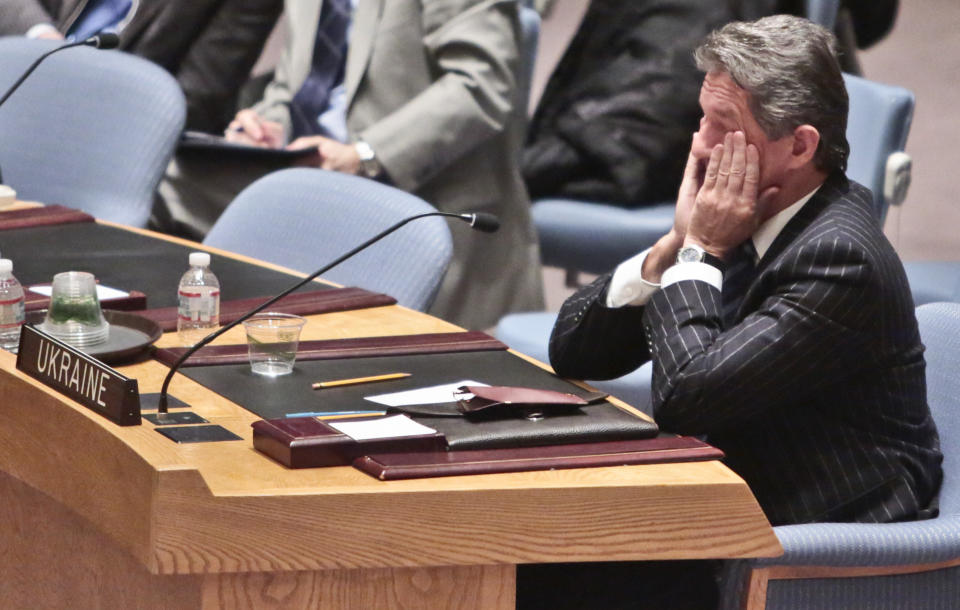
column 272, row 340
column 74, row 315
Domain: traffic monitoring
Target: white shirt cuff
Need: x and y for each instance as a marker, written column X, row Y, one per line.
column 627, row 287
column 40, row 28
column 693, row 271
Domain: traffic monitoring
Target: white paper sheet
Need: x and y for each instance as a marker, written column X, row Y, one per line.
column 422, row 396
column 387, row 427
column 103, row 292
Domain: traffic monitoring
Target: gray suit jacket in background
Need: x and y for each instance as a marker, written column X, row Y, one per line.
column 431, row 85
column 208, row 45
column 815, row 391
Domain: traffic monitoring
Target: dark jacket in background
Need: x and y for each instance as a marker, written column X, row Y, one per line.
column 860, row 23
column 615, row 120
column 208, row 45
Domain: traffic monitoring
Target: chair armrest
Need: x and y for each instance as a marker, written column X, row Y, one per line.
column 896, row 180
column 863, row 544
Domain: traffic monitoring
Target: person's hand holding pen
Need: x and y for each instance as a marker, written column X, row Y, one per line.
column 250, row 128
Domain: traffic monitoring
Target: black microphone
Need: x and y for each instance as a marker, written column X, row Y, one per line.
column 99, row 41
column 481, row 221
column 103, row 40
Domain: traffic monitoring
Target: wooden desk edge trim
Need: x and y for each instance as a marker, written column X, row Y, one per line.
column 57, row 422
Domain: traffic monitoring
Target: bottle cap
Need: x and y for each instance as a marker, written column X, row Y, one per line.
column 6, row 265
column 199, row 259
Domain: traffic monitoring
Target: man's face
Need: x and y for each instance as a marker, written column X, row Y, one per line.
column 726, row 109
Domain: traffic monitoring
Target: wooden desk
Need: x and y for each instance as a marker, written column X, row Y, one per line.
column 96, row 515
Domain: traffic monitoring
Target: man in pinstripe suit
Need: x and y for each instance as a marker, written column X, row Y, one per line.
column 777, row 315
column 812, row 380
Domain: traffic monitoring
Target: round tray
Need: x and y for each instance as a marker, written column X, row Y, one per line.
column 129, row 335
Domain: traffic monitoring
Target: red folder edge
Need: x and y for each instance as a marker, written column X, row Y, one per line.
column 663, row 449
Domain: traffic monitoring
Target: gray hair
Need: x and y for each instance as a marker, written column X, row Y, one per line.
column 788, row 66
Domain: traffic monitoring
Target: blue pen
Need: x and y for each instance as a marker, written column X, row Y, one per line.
column 336, row 414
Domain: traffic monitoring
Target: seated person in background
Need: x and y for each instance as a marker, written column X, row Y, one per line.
column 859, row 23
column 776, row 313
column 426, row 101
column 208, row 45
column 614, row 121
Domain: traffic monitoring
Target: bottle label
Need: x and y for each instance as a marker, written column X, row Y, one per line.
column 16, row 319
column 198, row 306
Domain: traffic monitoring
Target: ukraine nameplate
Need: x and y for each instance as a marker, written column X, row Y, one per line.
column 79, row 376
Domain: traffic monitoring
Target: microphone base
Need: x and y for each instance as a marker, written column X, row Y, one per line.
column 150, row 402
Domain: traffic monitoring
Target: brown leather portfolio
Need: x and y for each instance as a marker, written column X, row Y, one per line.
column 306, row 442
column 388, row 466
column 332, row 349
column 301, row 303
column 40, row 217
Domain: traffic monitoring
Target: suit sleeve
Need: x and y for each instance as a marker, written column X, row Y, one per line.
column 810, row 332
column 473, row 46
column 220, row 59
column 18, row 16
column 275, row 103
column 593, row 341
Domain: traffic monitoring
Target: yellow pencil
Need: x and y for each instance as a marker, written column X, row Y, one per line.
column 339, row 382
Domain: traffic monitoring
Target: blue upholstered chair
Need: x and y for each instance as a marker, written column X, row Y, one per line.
column 932, row 281
column 595, row 238
column 875, row 566
column 304, row 218
column 89, row 129
column 823, row 12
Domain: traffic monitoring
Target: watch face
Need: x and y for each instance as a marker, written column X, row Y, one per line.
column 689, row 255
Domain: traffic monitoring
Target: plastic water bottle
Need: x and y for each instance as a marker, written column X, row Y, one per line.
column 11, row 307
column 199, row 297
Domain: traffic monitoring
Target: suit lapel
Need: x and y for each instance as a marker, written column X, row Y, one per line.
column 361, row 44
column 143, row 17
column 68, row 13
column 827, row 194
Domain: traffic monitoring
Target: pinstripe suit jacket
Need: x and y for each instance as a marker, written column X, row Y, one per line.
column 815, row 392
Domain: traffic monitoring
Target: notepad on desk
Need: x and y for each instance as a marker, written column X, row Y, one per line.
column 307, row 442
column 434, row 394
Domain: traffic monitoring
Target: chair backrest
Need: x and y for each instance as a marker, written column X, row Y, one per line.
column 823, row 12
column 89, row 129
column 940, row 331
column 530, row 42
column 305, row 218
column 877, row 129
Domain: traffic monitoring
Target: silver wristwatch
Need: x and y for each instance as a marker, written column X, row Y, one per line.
column 696, row 254
column 369, row 164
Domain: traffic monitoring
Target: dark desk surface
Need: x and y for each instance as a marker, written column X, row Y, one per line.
column 233, row 524
column 152, row 266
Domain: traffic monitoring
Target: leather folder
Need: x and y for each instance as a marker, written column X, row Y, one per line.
column 389, row 466
column 334, row 349
column 306, row 442
column 42, row 216
column 300, row 303
column 215, row 145
column 497, row 417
